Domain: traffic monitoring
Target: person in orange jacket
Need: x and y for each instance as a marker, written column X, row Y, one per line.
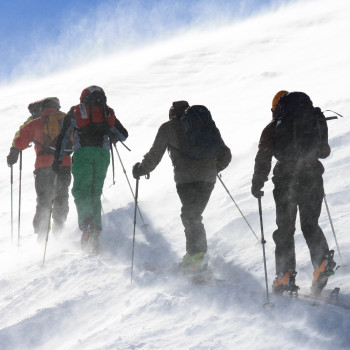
column 42, row 129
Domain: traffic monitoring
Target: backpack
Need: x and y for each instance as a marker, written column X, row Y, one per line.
column 35, row 108
column 52, row 128
column 301, row 129
column 202, row 137
column 93, row 117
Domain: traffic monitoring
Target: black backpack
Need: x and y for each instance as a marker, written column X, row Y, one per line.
column 301, row 129
column 202, row 137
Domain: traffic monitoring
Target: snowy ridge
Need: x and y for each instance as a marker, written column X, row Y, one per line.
column 82, row 302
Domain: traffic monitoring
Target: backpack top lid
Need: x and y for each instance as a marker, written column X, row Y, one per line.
column 295, row 103
column 93, row 95
column 35, row 108
column 178, row 109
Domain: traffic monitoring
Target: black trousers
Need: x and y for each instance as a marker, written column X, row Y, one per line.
column 194, row 197
column 44, row 184
column 305, row 192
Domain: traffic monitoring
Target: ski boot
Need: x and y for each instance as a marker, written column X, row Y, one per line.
column 322, row 273
column 193, row 264
column 89, row 238
column 41, row 237
column 89, row 243
column 285, row 282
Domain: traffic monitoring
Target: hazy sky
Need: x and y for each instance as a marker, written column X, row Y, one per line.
column 57, row 31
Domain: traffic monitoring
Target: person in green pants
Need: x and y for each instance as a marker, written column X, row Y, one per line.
column 94, row 126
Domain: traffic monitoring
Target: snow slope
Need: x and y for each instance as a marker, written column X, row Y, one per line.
column 80, row 302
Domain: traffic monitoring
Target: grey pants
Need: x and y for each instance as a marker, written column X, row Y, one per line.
column 44, row 183
column 194, row 197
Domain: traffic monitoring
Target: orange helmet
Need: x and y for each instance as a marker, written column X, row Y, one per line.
column 277, row 97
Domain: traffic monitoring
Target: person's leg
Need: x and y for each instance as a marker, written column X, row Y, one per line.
column 44, row 178
column 82, row 170
column 101, row 164
column 194, row 198
column 311, row 198
column 61, row 207
column 310, row 204
column 286, row 211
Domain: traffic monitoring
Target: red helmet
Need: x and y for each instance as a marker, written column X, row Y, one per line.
column 89, row 90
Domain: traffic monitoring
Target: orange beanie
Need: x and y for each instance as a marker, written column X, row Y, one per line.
column 277, row 97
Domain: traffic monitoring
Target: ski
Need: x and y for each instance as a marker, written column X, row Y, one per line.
column 202, row 278
column 317, row 300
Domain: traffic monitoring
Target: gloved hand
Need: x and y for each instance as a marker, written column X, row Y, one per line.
column 13, row 156
column 256, row 189
column 138, row 170
column 55, row 165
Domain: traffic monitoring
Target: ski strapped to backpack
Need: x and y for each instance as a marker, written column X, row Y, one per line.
column 301, row 128
column 202, row 137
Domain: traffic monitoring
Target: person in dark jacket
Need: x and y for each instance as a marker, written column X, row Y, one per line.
column 34, row 130
column 297, row 185
column 94, row 125
column 195, row 180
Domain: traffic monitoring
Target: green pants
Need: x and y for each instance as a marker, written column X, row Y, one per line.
column 89, row 170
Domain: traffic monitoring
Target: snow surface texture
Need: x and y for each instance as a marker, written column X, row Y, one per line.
column 79, row 302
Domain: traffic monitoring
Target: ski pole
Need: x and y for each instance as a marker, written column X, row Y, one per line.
column 132, row 192
column 12, row 204
column 116, row 136
column 219, row 177
column 133, row 237
column 51, row 208
column 333, row 230
column 112, row 156
column 264, row 255
column 19, row 196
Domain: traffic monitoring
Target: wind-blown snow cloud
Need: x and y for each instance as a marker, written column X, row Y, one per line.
column 89, row 32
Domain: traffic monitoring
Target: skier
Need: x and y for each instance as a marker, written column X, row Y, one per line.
column 42, row 128
column 298, row 183
column 194, row 178
column 94, row 126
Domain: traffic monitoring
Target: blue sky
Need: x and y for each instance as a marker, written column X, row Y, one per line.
column 39, row 36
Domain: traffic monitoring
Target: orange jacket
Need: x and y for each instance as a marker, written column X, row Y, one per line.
column 34, row 131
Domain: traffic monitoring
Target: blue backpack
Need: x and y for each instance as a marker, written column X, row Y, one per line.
column 202, row 137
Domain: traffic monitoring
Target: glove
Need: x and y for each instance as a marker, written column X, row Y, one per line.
column 55, row 165
column 256, row 190
column 13, row 156
column 138, row 170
